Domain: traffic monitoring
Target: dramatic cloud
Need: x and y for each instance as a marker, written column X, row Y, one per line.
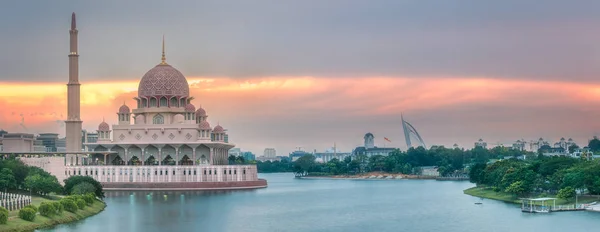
column 516, row 39
column 313, row 113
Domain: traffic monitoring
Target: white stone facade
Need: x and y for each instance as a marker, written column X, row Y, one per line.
column 161, row 174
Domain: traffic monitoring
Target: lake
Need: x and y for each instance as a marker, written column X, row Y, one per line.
column 290, row 204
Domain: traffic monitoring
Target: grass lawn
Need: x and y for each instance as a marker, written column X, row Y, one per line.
column 507, row 197
column 17, row 224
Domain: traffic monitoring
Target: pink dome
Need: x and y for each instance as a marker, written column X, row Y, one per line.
column 124, row 109
column 190, row 108
column 163, row 80
column 218, row 129
column 103, row 126
column 204, row 125
column 201, row 112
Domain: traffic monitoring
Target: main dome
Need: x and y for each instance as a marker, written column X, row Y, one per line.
column 163, row 80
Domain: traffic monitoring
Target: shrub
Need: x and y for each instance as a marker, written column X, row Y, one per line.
column 47, row 209
column 58, row 207
column 27, row 214
column 3, row 215
column 69, row 205
column 89, row 198
column 80, row 203
column 74, row 180
column 35, row 209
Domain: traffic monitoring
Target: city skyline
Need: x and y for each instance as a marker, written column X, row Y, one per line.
column 521, row 88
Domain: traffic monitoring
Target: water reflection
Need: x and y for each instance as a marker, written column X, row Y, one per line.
column 289, row 204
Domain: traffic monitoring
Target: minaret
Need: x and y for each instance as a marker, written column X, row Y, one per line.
column 73, row 123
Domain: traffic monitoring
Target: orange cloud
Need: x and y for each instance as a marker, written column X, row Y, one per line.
column 43, row 105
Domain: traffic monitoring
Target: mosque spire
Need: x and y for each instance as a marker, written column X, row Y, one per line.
column 73, row 23
column 163, row 52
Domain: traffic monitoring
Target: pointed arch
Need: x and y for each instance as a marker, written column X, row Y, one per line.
column 163, row 102
column 151, row 161
column 153, row 102
column 168, row 160
column 174, row 102
column 185, row 160
column 182, row 102
column 158, row 119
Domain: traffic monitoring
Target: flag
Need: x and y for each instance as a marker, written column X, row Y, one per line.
column 386, row 139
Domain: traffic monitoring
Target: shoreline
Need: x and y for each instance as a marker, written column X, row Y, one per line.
column 509, row 198
column 379, row 176
column 42, row 222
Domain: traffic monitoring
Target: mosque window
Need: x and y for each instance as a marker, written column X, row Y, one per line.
column 158, row 119
column 174, row 102
column 153, row 102
column 163, row 102
column 144, row 103
column 182, row 102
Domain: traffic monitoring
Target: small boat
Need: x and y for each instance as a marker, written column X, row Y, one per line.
column 478, row 203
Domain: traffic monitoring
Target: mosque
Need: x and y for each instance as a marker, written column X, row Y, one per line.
column 169, row 145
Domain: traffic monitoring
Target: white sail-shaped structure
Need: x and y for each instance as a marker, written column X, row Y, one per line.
column 410, row 130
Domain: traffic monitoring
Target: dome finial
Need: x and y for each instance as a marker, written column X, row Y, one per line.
column 163, row 52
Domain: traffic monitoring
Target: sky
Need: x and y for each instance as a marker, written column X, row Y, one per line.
column 288, row 74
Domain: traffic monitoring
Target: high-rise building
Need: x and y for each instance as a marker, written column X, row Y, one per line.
column 270, row 153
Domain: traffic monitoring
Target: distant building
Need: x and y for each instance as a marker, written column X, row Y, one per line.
column 61, row 145
column 270, row 153
column 49, row 141
column 330, row 154
column 519, row 145
column 369, row 149
column 265, row 159
column 89, row 137
column 235, row 152
column 38, row 146
column 2, row 133
column 481, row 144
column 554, row 151
column 430, row 171
column 297, row 154
column 17, row 142
column 369, row 140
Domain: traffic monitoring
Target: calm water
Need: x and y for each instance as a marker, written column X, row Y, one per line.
column 290, row 204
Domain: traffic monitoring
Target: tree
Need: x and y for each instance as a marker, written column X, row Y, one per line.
column 7, row 179
column 566, row 193
column 594, row 144
column 74, row 180
column 572, row 148
column 477, row 173
column 517, row 188
column 231, row 159
column 304, row 164
column 42, row 184
column 83, row 188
